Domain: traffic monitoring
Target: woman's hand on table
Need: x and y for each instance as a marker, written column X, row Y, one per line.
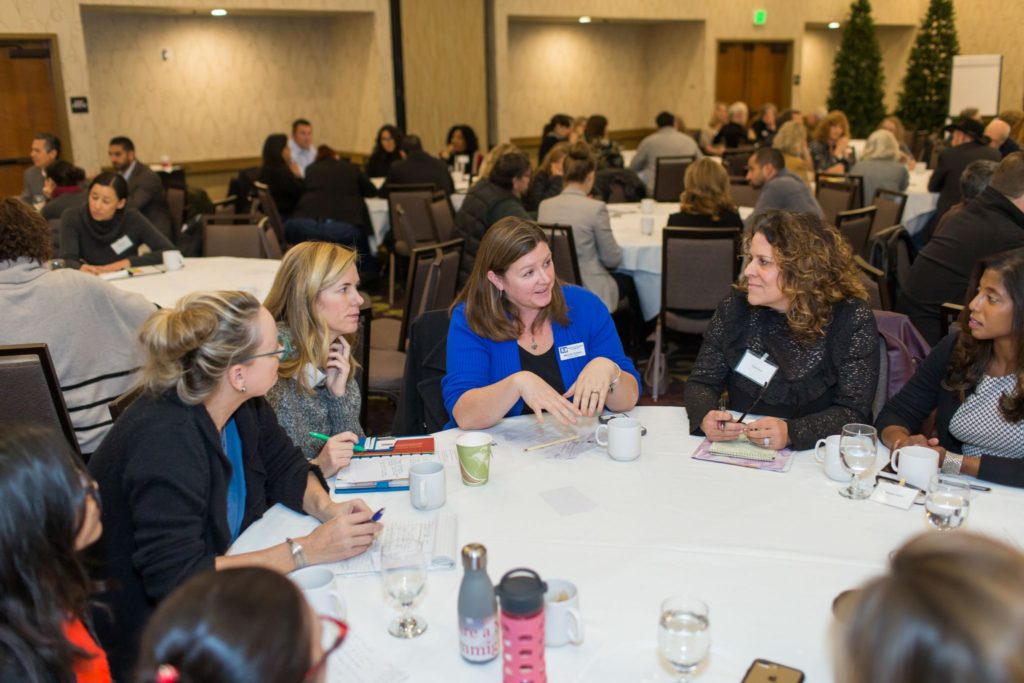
column 768, row 432
column 919, row 440
column 106, row 268
column 539, row 395
column 590, row 390
column 346, row 534
column 718, row 425
column 336, row 453
column 339, row 362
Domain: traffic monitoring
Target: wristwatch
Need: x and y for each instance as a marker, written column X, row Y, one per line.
column 298, row 555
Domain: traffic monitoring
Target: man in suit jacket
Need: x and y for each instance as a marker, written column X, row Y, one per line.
column 969, row 144
column 990, row 223
column 145, row 191
column 44, row 151
column 416, row 166
column 780, row 189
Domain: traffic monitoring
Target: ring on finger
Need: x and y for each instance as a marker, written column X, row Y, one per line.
column 767, row 441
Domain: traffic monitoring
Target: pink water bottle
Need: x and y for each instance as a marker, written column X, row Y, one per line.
column 521, row 593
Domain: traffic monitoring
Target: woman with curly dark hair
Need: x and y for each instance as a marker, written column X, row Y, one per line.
column 799, row 306
column 51, row 512
column 386, row 151
column 973, row 381
column 461, row 141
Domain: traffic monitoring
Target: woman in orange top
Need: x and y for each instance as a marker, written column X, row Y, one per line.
column 50, row 512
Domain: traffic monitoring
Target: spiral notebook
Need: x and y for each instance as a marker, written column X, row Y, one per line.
column 745, row 454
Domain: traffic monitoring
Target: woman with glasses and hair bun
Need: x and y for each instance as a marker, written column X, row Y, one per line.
column 245, row 625
column 50, row 513
column 316, row 302
column 197, row 458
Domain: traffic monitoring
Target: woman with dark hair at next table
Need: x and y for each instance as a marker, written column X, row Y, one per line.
column 547, row 181
column 519, row 341
column 63, row 189
column 461, row 141
column 245, row 625
column 104, row 236
column 386, row 151
column 199, row 457
column 280, row 174
column 556, row 130
column 705, row 202
column 800, row 306
column 972, row 380
column 949, row 609
column 50, row 512
column 606, row 151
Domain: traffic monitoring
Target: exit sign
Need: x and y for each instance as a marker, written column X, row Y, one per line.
column 760, row 17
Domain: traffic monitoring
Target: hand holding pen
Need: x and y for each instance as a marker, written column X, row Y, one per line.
column 718, row 425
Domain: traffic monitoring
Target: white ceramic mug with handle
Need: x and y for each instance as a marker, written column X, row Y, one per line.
column 915, row 464
column 319, row 587
column 563, row 623
column 622, row 438
column 427, row 485
column 173, row 260
column 830, row 457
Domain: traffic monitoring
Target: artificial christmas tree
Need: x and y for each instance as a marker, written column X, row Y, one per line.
column 924, row 98
column 857, row 76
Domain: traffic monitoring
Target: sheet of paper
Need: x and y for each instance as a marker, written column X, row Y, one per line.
column 571, row 449
column 889, row 493
column 568, row 500
column 357, row 661
column 388, row 467
column 438, row 535
column 522, row 434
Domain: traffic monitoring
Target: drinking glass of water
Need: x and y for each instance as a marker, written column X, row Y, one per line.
column 857, row 446
column 948, row 501
column 404, row 571
column 684, row 634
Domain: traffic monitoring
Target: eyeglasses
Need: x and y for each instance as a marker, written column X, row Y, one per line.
column 332, row 631
column 284, row 351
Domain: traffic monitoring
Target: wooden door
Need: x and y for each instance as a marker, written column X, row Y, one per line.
column 754, row 73
column 28, row 106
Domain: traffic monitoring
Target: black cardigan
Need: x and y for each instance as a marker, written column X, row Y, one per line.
column 924, row 393
column 81, row 243
column 164, row 477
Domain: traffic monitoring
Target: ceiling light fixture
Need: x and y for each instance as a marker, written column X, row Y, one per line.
column 219, row 12
column 833, row 25
column 584, row 20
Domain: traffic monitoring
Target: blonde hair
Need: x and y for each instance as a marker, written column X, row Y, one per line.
column 901, row 131
column 706, row 189
column 882, row 145
column 191, row 346
column 791, row 139
column 950, row 609
column 736, row 109
column 557, row 153
column 823, row 131
column 306, row 270
column 713, row 121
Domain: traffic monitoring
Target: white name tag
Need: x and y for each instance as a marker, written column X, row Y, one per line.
column 889, row 493
column 571, row 351
column 122, row 245
column 757, row 370
column 314, row 375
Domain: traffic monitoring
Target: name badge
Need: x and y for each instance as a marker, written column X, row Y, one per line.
column 122, row 245
column 757, row 370
column 571, row 351
column 314, row 375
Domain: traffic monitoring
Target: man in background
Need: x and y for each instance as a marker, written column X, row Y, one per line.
column 44, row 151
column 780, row 189
column 667, row 141
column 145, row 191
column 969, row 143
column 301, row 145
column 417, row 166
column 998, row 133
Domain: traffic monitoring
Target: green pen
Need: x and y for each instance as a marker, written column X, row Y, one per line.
column 323, row 437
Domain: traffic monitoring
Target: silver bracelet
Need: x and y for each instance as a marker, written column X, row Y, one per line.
column 298, row 555
column 615, row 382
column 952, row 463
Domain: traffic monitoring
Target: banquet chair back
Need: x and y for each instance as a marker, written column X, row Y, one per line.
column 176, row 205
column 421, row 409
column 743, row 193
column 855, row 226
column 563, row 252
column 443, row 215
column 242, row 240
column 836, row 193
column 949, row 320
column 362, row 352
column 892, row 251
column 890, row 205
column 873, row 280
column 30, row 391
column 121, row 403
column 269, row 208
column 412, row 224
column 433, row 282
column 736, row 160
column 669, row 173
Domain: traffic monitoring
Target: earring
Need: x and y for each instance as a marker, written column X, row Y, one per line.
column 244, row 389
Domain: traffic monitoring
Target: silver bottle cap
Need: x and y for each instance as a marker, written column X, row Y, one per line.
column 474, row 556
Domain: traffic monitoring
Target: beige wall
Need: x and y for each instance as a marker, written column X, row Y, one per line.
column 995, row 30
column 445, row 68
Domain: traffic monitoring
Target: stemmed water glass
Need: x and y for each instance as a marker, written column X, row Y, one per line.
column 947, row 502
column 857, row 446
column 404, row 571
column 684, row 634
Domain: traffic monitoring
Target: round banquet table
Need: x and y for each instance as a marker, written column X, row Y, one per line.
column 767, row 551
column 205, row 274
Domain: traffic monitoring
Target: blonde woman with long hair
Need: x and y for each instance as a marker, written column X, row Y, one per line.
column 315, row 301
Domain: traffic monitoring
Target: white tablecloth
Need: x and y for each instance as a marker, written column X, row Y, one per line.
column 204, row 274
column 768, row 552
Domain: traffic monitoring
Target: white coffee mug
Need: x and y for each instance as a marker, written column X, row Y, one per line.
column 622, row 437
column 563, row 623
column 916, row 464
column 317, row 584
column 647, row 205
column 173, row 260
column 833, row 464
column 426, row 485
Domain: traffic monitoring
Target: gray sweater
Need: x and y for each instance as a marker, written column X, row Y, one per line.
column 90, row 327
column 881, row 174
column 785, row 192
column 300, row 412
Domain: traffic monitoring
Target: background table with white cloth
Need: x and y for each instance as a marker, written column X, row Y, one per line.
column 378, row 208
column 768, row 552
column 205, row 274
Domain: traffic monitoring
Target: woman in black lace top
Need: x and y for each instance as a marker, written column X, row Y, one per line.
column 799, row 301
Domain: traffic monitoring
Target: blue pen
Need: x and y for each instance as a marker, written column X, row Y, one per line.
column 377, row 515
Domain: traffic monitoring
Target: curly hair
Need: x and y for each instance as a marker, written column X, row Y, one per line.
column 23, row 232
column 971, row 356
column 816, row 268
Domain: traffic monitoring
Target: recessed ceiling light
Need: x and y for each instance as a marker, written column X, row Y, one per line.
column 219, row 12
column 833, row 25
column 584, row 20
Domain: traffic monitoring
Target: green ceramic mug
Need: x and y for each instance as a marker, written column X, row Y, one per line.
column 474, row 457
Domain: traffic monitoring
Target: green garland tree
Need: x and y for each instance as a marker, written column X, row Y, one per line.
column 924, row 97
column 857, row 76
